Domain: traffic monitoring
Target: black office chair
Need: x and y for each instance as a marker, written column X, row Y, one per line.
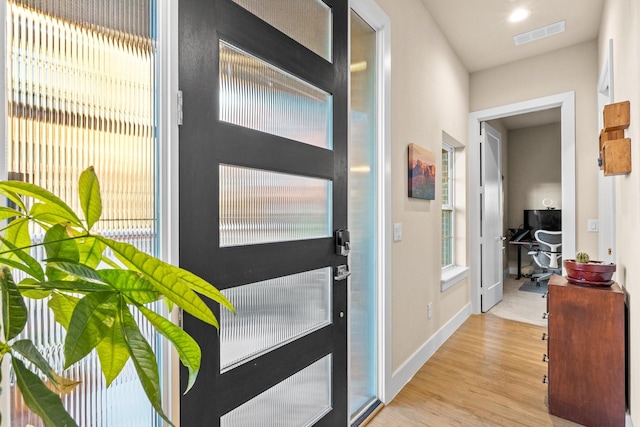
column 548, row 255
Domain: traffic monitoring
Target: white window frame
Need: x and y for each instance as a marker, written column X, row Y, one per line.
column 450, row 206
column 455, row 272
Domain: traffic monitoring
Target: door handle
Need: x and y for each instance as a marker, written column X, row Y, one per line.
column 342, row 272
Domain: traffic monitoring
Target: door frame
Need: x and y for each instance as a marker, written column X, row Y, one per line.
column 606, row 185
column 374, row 16
column 168, row 183
column 566, row 102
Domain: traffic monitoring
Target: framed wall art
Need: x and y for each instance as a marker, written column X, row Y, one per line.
column 422, row 173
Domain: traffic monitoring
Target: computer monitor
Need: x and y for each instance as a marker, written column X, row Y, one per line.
column 543, row 219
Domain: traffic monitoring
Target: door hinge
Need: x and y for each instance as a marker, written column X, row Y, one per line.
column 180, row 116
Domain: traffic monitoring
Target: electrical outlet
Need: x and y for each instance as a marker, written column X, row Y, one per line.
column 430, row 310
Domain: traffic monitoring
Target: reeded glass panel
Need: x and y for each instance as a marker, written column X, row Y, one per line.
column 272, row 313
column 300, row 400
column 308, row 22
column 80, row 86
column 363, row 200
column 258, row 206
column 259, row 96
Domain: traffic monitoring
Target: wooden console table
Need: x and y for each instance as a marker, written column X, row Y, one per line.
column 586, row 351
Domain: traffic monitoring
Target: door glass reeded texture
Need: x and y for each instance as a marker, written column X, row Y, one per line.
column 259, row 96
column 308, row 22
column 258, row 206
column 362, row 217
column 300, row 400
column 81, row 92
column 272, row 313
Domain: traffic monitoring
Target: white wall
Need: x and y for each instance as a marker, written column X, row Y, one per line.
column 430, row 94
column 574, row 68
column 534, row 173
column 620, row 22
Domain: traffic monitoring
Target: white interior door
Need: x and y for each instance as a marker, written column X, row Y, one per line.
column 492, row 242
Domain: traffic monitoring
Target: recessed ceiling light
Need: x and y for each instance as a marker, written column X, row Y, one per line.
column 519, row 15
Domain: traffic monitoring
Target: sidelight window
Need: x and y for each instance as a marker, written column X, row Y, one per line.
column 81, row 91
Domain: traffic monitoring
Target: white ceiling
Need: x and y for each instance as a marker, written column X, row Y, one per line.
column 482, row 37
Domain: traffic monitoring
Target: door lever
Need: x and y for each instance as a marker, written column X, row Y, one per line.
column 342, row 272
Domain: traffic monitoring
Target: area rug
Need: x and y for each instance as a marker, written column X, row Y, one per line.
column 531, row 287
column 521, row 306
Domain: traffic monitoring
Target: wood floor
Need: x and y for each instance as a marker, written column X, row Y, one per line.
column 489, row 373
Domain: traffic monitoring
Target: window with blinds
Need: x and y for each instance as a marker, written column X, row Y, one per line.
column 80, row 92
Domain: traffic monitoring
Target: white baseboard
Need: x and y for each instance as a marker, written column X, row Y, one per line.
column 628, row 421
column 408, row 369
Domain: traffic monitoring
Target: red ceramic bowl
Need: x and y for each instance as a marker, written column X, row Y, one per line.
column 592, row 271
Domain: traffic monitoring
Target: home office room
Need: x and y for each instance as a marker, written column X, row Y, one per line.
column 532, row 200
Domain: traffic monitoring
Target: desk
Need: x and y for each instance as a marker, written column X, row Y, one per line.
column 530, row 244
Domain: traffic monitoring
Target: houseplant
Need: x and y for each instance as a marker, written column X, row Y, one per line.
column 91, row 295
column 584, row 271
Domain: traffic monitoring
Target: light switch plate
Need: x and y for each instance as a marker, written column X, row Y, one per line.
column 592, row 225
column 397, row 232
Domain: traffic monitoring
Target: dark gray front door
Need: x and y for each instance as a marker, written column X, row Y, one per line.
column 263, row 187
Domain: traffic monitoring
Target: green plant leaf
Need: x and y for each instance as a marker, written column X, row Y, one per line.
column 90, row 200
column 14, row 311
column 32, row 190
column 62, row 307
column 27, row 349
column 90, row 322
column 78, row 286
column 113, row 351
column 29, row 264
column 162, row 279
column 187, row 348
column 22, row 267
column 143, row 359
column 202, row 287
column 17, row 234
column 45, row 403
column 8, row 213
column 15, row 198
column 132, row 284
column 90, row 251
column 77, row 270
column 45, row 213
column 30, row 288
column 59, row 245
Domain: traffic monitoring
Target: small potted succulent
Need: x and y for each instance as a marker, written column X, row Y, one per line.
column 584, row 271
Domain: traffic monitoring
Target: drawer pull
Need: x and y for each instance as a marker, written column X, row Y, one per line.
column 545, row 380
column 545, row 315
column 545, row 336
column 545, row 295
column 545, row 358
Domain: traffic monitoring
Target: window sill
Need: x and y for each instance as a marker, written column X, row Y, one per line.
column 451, row 276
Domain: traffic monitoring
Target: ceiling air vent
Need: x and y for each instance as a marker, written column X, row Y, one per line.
column 539, row 33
